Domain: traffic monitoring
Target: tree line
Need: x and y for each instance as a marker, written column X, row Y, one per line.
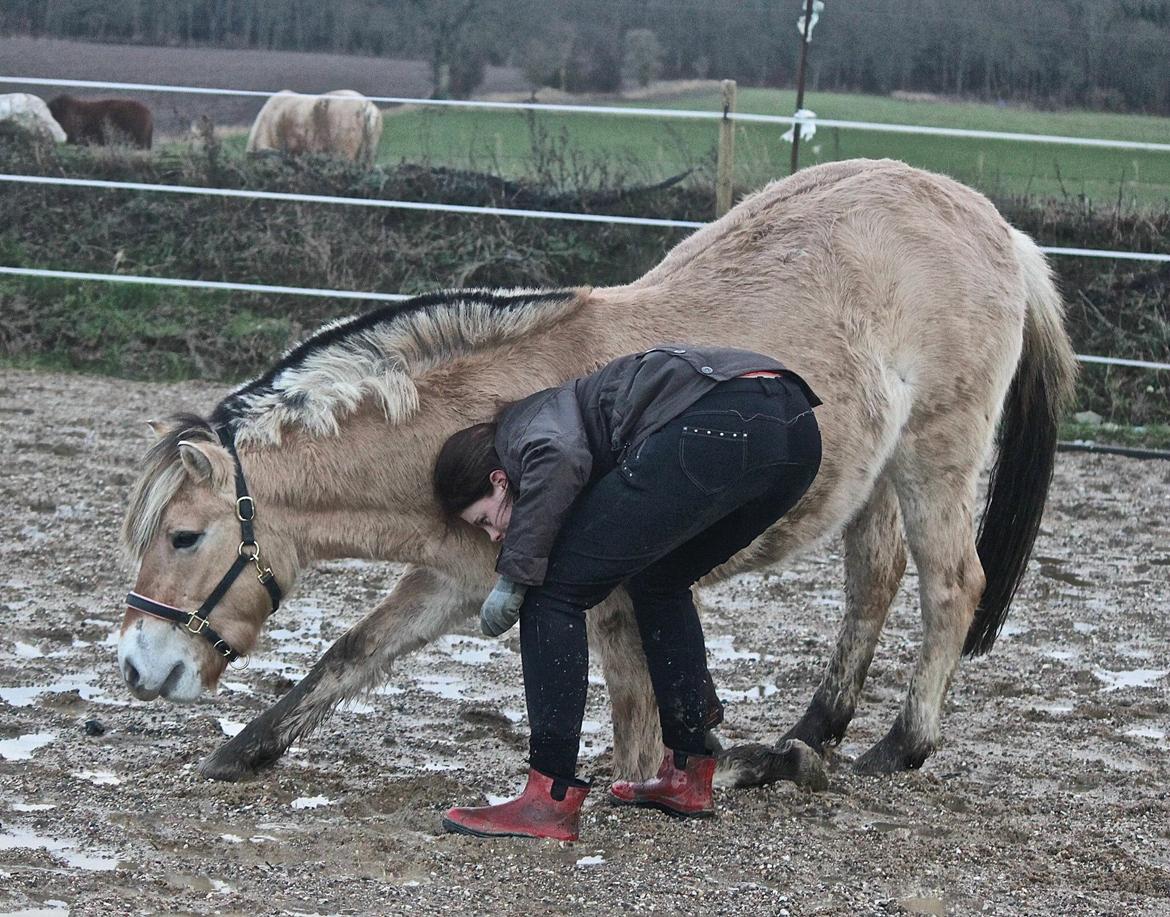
column 1104, row 54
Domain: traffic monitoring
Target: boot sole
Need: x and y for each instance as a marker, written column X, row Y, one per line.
column 661, row 807
column 453, row 827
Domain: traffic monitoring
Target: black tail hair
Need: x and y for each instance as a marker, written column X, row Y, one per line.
column 1016, row 493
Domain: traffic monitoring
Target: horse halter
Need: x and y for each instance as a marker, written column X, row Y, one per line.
column 248, row 553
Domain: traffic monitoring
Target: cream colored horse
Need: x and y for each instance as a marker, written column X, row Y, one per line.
column 342, row 123
column 915, row 312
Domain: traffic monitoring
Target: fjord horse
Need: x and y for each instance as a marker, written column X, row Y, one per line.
column 919, row 316
column 104, row 121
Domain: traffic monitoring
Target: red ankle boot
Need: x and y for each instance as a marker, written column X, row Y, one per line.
column 547, row 808
column 680, row 788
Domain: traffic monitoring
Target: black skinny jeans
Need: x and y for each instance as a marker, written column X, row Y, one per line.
column 689, row 497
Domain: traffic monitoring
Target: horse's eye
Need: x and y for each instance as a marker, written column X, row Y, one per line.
column 181, row 540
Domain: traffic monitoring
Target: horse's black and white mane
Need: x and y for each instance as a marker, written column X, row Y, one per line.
column 317, row 382
column 379, row 353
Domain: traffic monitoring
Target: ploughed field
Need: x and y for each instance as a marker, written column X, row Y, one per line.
column 1050, row 794
column 220, row 68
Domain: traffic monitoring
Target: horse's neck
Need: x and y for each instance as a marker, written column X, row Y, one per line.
column 366, row 492
column 342, row 496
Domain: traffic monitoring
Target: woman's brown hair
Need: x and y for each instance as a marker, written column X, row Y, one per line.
column 463, row 468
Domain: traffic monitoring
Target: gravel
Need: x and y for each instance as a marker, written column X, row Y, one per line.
column 1049, row 795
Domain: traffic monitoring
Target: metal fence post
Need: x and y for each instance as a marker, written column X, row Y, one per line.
column 725, row 172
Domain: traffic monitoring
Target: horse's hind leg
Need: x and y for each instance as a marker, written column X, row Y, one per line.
column 637, row 734
column 937, row 505
column 875, row 559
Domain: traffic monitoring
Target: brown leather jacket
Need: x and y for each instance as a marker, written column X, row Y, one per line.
column 556, row 441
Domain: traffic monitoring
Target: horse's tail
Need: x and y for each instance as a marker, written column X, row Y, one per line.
column 1025, row 446
column 371, row 133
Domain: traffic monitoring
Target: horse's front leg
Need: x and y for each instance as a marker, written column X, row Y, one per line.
column 637, row 734
column 422, row 606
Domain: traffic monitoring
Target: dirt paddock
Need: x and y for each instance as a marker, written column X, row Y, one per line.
column 1051, row 793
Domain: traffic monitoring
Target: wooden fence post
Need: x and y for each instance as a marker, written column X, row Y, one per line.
column 725, row 172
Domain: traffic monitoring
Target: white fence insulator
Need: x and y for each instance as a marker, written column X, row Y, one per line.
column 817, row 8
column 808, row 126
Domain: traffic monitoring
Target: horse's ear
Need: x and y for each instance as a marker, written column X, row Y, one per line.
column 206, row 462
column 161, row 427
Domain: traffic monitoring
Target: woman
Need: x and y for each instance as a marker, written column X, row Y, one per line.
column 650, row 472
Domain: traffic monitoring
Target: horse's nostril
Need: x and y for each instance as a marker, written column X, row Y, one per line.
column 173, row 677
column 131, row 675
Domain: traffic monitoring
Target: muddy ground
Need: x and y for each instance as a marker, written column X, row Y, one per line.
column 1051, row 793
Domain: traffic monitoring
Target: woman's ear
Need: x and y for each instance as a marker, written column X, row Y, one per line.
column 499, row 478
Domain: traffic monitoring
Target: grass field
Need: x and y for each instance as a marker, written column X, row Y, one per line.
column 601, row 148
column 645, row 148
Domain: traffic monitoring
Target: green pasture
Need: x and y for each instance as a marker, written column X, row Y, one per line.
column 573, row 147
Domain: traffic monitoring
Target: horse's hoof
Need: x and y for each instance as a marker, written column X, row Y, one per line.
column 819, row 728
column 893, row 753
column 239, row 758
column 757, row 765
column 222, row 765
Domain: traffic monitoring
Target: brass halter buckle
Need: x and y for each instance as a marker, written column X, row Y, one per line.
column 192, row 619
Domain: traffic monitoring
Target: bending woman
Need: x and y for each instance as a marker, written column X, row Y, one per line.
column 648, row 473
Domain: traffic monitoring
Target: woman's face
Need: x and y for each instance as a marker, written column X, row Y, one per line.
column 493, row 512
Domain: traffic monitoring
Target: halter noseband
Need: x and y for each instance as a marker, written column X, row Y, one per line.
column 196, row 622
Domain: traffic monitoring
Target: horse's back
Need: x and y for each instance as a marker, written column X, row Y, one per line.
column 859, row 272
column 341, row 122
column 897, row 294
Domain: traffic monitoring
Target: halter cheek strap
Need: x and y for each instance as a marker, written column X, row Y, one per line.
column 196, row 622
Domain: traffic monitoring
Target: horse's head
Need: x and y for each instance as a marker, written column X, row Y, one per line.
column 197, row 548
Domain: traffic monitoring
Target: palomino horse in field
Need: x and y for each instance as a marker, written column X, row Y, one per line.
column 918, row 315
column 341, row 123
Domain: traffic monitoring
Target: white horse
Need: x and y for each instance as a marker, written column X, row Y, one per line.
column 32, row 114
column 918, row 315
column 341, row 123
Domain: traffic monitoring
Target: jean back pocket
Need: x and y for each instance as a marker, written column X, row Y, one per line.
column 712, row 448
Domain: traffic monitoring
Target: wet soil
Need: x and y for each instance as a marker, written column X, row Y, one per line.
column 1051, row 793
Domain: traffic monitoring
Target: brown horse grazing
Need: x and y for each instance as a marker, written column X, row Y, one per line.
column 341, row 123
column 919, row 316
column 104, row 121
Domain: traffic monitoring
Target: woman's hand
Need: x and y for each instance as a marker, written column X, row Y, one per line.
column 501, row 609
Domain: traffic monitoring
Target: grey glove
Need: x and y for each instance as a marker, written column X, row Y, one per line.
column 501, row 609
